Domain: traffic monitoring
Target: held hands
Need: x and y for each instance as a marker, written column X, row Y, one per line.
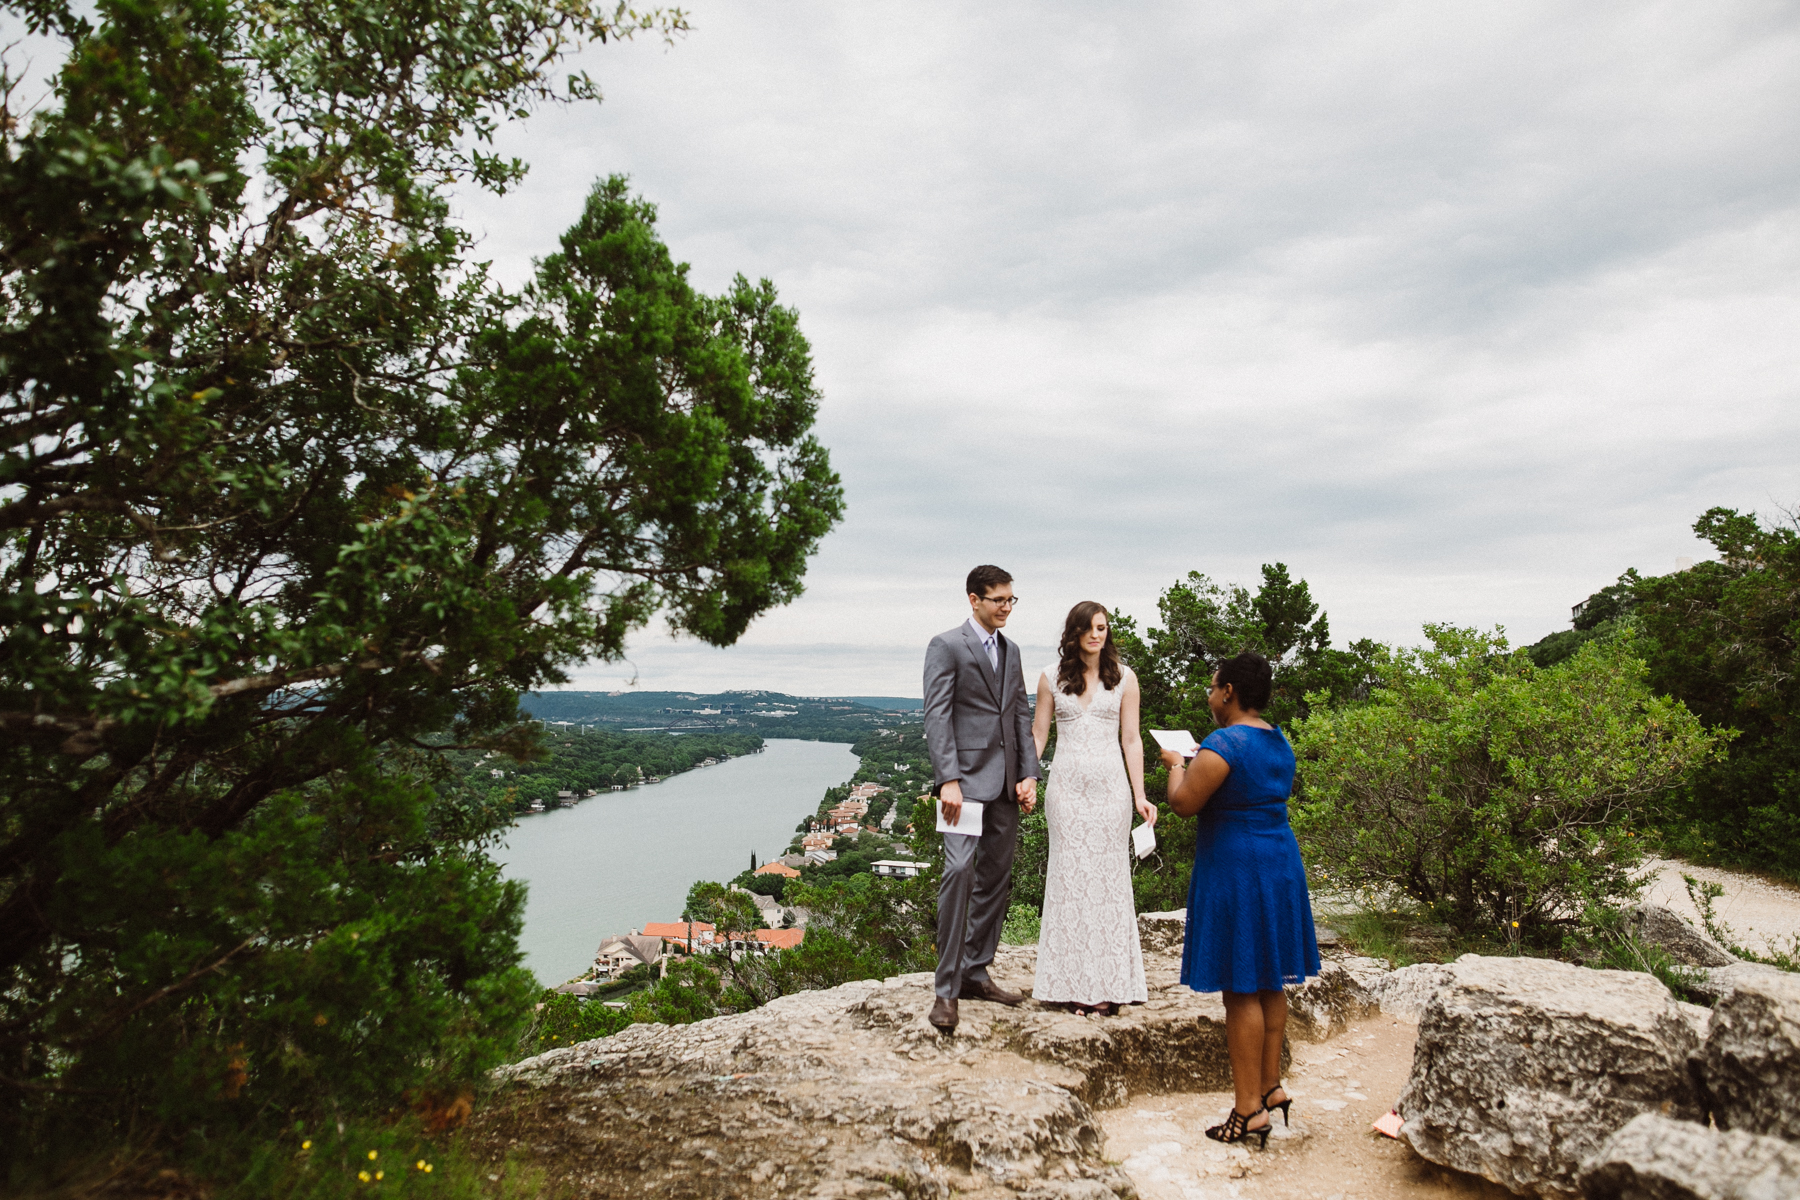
column 1146, row 810
column 950, row 798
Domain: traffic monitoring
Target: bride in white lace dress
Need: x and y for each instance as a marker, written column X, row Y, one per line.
column 1088, row 951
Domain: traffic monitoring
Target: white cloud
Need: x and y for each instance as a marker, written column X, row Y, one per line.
column 1458, row 310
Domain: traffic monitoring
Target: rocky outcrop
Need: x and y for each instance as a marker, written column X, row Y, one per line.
column 1664, row 928
column 1163, row 932
column 1752, row 1056
column 1403, row 993
column 1524, row 1066
column 1657, row 1158
column 1713, row 984
column 848, row 1092
column 1324, row 1007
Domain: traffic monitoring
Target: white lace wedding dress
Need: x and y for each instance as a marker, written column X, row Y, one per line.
column 1088, row 949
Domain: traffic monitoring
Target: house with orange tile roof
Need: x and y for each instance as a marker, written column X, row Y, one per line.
column 778, row 868
column 676, row 933
column 779, row 939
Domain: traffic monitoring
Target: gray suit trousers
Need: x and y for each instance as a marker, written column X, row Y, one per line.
column 974, row 895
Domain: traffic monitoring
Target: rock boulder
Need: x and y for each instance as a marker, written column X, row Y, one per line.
column 1403, row 993
column 1657, row 1158
column 1524, row 1066
column 1324, row 1007
column 1663, row 927
column 1715, row 983
column 1163, row 932
column 1751, row 1063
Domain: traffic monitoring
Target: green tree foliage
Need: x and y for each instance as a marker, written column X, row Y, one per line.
column 1489, row 790
column 1725, row 640
column 1031, row 861
column 860, row 927
column 1602, row 615
column 1204, row 622
column 563, row 1020
column 733, row 915
column 288, row 488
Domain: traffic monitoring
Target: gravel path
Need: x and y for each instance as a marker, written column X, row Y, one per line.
column 1761, row 914
column 1329, row 1153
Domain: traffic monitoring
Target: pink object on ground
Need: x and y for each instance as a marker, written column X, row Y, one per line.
column 1389, row 1124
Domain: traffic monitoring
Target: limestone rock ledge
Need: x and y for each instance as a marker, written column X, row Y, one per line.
column 849, row 1093
column 1658, row 1158
column 1523, row 1066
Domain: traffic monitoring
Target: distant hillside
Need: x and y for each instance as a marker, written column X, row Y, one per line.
column 896, row 703
column 767, row 714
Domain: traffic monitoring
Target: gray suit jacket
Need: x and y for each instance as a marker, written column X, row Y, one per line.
column 977, row 725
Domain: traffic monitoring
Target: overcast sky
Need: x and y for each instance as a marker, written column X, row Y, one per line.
column 1457, row 309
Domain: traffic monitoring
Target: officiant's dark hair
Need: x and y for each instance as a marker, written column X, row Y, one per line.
column 986, row 576
column 1251, row 678
column 1071, row 672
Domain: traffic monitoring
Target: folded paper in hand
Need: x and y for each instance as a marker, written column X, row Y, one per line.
column 1179, row 740
column 1143, row 840
column 968, row 824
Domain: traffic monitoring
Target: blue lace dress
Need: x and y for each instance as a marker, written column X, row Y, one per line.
column 1249, row 926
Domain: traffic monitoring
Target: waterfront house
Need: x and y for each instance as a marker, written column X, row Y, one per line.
column 581, row 989
column 675, row 933
column 761, row 941
column 623, row 951
column 779, row 939
column 778, row 867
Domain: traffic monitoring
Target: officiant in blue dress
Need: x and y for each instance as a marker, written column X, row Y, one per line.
column 1249, row 927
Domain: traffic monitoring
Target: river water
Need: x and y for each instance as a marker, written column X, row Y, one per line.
column 623, row 858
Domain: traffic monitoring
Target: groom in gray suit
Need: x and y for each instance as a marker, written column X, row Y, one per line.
column 978, row 730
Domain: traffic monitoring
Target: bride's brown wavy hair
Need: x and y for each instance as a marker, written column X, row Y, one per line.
column 1071, row 673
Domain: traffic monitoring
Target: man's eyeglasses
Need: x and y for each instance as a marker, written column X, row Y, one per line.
column 1001, row 601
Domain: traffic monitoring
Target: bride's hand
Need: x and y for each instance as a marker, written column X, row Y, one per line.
column 1146, row 810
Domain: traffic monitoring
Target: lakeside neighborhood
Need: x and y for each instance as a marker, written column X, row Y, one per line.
column 852, row 823
column 652, row 945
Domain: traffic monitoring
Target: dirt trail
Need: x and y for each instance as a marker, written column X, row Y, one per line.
column 1329, row 1153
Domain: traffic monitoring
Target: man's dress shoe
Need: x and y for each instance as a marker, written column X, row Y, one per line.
column 987, row 989
column 943, row 1015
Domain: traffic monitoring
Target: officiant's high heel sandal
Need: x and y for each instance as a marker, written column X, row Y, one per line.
column 1283, row 1106
column 1237, row 1129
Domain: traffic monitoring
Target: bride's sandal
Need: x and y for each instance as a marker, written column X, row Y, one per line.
column 1237, row 1129
column 1281, row 1104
